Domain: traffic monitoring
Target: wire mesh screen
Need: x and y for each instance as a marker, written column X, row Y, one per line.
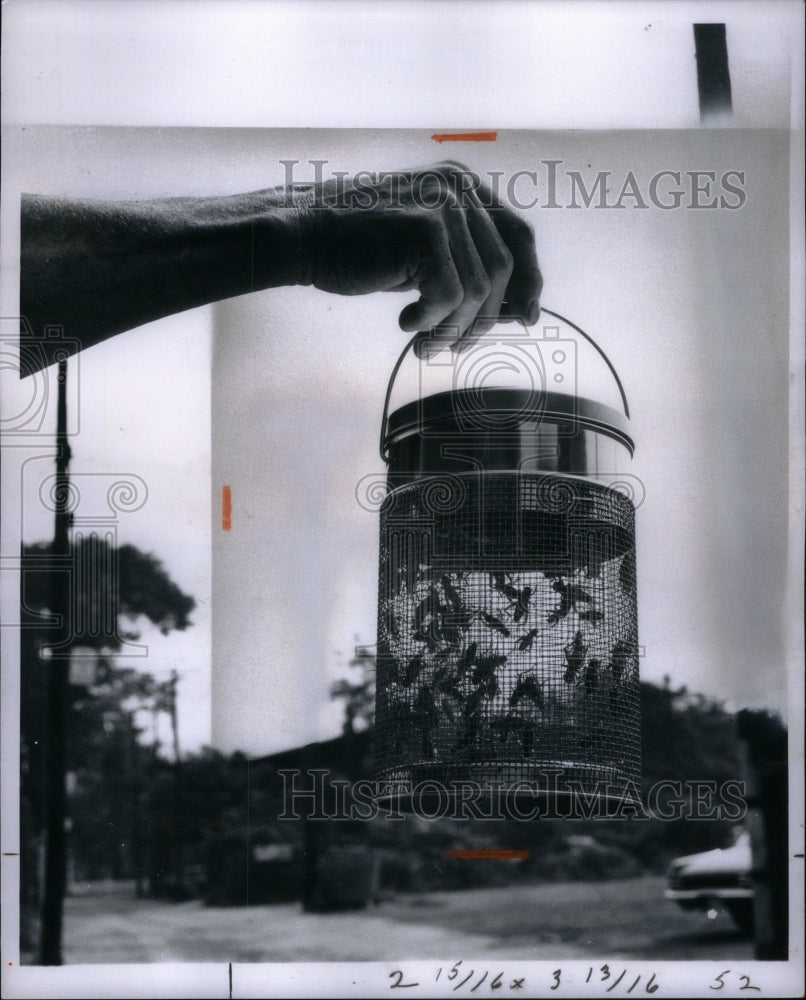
column 507, row 633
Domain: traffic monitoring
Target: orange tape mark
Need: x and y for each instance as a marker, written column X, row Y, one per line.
column 489, row 854
column 465, row 136
column 226, row 508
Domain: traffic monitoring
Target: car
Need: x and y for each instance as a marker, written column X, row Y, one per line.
column 722, row 876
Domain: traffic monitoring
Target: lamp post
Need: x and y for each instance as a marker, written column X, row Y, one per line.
column 58, row 671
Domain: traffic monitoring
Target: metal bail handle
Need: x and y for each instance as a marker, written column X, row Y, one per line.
column 548, row 312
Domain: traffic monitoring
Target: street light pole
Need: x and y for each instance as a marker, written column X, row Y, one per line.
column 178, row 825
column 57, row 674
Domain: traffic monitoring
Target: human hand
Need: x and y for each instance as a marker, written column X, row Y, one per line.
column 436, row 229
column 104, row 267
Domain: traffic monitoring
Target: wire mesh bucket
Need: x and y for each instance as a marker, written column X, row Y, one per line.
column 507, row 615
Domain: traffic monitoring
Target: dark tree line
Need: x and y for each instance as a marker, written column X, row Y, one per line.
column 108, row 765
column 686, row 737
column 190, row 827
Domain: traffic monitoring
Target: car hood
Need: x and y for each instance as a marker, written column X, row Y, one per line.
column 737, row 857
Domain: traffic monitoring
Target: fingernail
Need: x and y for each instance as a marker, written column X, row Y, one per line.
column 533, row 312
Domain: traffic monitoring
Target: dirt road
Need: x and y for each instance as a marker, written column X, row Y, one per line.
column 620, row 919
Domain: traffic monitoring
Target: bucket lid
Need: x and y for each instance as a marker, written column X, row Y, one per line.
column 494, row 412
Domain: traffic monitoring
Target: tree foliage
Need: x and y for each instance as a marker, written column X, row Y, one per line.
column 686, row 737
column 112, row 591
column 104, row 580
column 357, row 693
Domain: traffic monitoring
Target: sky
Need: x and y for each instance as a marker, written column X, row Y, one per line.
column 279, row 393
column 690, row 305
column 128, row 432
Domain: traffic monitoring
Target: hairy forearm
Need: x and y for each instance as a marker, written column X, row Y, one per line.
column 97, row 268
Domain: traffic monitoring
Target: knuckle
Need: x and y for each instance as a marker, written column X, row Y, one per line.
column 459, row 176
column 502, row 261
column 430, row 182
column 454, row 294
column 431, row 228
column 480, row 289
column 452, row 166
column 451, row 290
column 451, row 201
column 523, row 232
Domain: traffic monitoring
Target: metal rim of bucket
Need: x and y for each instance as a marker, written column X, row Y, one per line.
column 402, row 787
column 440, row 410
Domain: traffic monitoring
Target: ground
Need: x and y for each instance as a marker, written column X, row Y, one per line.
column 625, row 919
